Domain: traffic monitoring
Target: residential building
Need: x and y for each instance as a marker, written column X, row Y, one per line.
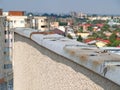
column 40, row 22
column 2, row 79
column 99, row 18
column 5, row 13
column 6, row 39
column 17, row 21
column 84, row 35
column 78, row 14
column 70, row 31
column 36, row 22
column 54, row 25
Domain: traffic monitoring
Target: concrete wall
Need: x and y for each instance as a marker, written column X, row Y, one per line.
column 36, row 68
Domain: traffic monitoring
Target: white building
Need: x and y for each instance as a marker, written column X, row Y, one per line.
column 17, row 21
column 36, row 22
column 5, row 13
column 41, row 23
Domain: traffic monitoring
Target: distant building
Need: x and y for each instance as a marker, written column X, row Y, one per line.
column 81, row 15
column 16, row 13
column 70, row 31
column 17, row 21
column 84, row 35
column 99, row 18
column 100, row 44
column 35, row 22
column 113, row 22
column 54, row 25
column 1, row 12
column 78, row 14
column 40, row 23
column 5, row 13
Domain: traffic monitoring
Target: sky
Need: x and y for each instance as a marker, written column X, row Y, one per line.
column 63, row 6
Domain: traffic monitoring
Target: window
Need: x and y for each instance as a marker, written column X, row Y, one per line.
column 11, row 40
column 22, row 21
column 7, row 66
column 9, row 32
column 5, row 32
column 4, row 52
column 5, row 40
column 44, row 26
column 6, row 49
column 7, row 58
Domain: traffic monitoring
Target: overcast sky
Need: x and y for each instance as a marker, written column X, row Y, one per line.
column 63, row 6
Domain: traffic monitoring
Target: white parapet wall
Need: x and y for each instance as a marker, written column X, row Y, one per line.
column 101, row 62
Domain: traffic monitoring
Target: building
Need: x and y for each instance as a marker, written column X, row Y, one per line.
column 2, row 79
column 16, row 13
column 54, row 25
column 17, row 21
column 78, row 14
column 1, row 12
column 99, row 18
column 43, row 62
column 5, row 13
column 40, row 23
column 84, row 35
column 6, row 74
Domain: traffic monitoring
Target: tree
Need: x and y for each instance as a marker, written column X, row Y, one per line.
column 101, row 35
column 98, row 21
column 90, row 28
column 69, row 36
column 80, row 29
column 95, row 35
column 62, row 23
column 115, row 43
column 117, row 29
column 79, row 38
column 112, row 38
column 106, row 27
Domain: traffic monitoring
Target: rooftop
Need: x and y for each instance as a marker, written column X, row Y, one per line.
column 100, row 61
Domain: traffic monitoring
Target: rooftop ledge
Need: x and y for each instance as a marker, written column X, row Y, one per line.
column 98, row 60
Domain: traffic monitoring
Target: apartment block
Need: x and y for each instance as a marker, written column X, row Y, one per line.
column 16, row 21
column 41, row 23
column 6, row 39
column 36, row 22
column 2, row 79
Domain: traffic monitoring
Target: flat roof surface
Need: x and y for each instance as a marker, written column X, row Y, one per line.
column 100, row 61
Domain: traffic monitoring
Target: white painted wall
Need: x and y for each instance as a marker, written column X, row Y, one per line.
column 41, row 21
column 17, row 21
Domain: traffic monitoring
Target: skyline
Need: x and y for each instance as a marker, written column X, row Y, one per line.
column 61, row 6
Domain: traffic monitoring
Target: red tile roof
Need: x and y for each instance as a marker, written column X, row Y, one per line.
column 100, row 25
column 106, row 41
